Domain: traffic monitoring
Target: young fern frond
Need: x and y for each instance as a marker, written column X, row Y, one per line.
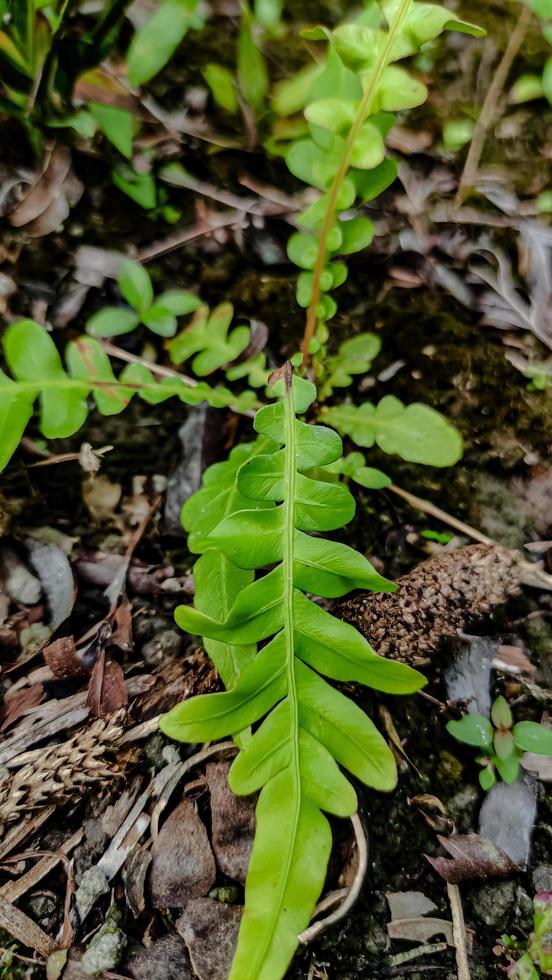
column 349, row 111
column 308, row 729
column 38, row 374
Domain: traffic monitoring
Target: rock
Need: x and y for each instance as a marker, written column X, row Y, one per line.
column 183, row 866
column 468, row 678
column 462, row 807
column 494, row 904
column 542, row 878
column 233, row 823
column 165, row 959
column 93, row 883
column 507, row 818
column 107, row 947
column 210, row 931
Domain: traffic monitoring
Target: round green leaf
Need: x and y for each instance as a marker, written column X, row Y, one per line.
column 501, row 716
column 532, row 737
column 160, row 320
column 473, row 730
column 508, row 768
column 112, row 321
column 135, row 285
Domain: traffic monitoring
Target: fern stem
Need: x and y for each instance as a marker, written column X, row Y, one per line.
column 363, row 112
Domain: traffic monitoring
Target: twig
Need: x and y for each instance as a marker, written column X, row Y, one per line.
column 531, row 573
column 22, row 928
column 221, row 748
column 223, row 220
column 316, row 930
column 15, row 889
column 458, row 932
column 489, row 108
column 428, row 508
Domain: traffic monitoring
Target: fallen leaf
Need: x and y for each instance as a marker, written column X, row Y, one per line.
column 472, row 857
column 419, row 930
column 18, row 703
column 62, row 658
column 512, row 660
column 183, row 866
column 50, row 197
column 56, row 576
column 210, row 931
column 404, row 905
column 232, row 823
column 107, row 691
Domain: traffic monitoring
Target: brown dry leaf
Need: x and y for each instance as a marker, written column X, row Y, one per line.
column 102, row 85
column 52, row 194
column 107, row 691
column 62, row 658
column 18, row 703
column 472, row 857
column 183, row 866
column 419, row 930
column 210, row 931
column 233, row 823
column 134, row 876
column 513, row 660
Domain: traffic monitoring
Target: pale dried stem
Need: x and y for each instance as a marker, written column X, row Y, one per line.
column 489, row 108
column 317, row 928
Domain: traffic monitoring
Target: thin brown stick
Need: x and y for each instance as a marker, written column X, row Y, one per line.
column 223, row 220
column 458, row 932
column 317, row 928
column 489, row 108
column 428, row 508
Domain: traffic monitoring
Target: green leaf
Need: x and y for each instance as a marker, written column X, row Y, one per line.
column 160, row 320
column 115, row 124
column 34, row 361
column 508, row 767
column 261, row 684
column 344, row 729
column 32, row 357
column 252, row 73
column 112, row 321
column 503, row 743
column 155, row 43
column 139, row 187
column 221, row 84
column 532, row 737
column 210, row 341
column 179, row 302
column 16, row 408
column 398, row 90
column 358, row 233
column 372, row 479
column 473, row 730
column 135, row 285
column 416, row 433
column 354, row 357
column 306, row 726
column 286, row 874
column 487, row 778
column 501, row 716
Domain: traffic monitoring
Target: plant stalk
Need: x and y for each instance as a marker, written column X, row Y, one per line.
column 489, row 108
column 364, row 110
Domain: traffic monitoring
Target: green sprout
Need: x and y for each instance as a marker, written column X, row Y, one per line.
column 501, row 742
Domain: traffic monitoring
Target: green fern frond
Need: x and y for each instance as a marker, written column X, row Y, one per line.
column 38, row 375
column 307, row 728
